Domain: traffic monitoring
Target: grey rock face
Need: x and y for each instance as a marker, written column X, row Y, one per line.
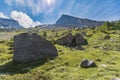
column 31, row 47
column 66, row 40
column 67, row 20
column 9, row 23
column 80, row 40
column 87, row 63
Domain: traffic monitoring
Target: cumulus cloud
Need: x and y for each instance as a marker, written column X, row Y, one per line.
column 3, row 16
column 23, row 19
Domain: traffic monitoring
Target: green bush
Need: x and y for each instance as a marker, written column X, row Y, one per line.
column 110, row 26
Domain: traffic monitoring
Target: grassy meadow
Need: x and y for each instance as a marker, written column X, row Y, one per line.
column 105, row 52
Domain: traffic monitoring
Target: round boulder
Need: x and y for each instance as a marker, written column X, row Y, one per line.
column 31, row 47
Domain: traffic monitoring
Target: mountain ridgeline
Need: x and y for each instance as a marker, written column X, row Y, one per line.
column 70, row 21
column 9, row 23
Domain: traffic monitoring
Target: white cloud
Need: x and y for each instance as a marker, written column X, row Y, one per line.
column 23, row 19
column 41, row 6
column 20, row 2
column 9, row 2
column 36, row 6
column 3, row 16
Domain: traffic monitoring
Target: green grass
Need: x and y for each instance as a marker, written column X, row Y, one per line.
column 67, row 65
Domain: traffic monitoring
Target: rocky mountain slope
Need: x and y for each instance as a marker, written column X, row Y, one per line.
column 67, row 20
column 9, row 23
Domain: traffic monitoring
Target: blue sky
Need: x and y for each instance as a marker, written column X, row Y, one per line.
column 48, row 11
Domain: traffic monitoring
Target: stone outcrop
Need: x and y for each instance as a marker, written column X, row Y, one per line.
column 66, row 40
column 71, row 40
column 79, row 39
column 31, row 47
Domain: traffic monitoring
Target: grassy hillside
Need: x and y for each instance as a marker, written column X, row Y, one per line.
column 104, row 51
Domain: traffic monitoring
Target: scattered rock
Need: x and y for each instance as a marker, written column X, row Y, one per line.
column 83, row 33
column 31, row 47
column 96, row 46
column 89, row 35
column 51, row 62
column 66, row 63
column 99, row 60
column 87, row 63
column 60, row 50
column 112, row 63
column 103, row 65
column 114, row 32
column 107, row 47
column 115, row 79
column 107, row 37
column 70, row 40
column 79, row 48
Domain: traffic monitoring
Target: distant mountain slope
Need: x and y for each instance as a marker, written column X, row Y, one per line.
column 9, row 23
column 66, row 20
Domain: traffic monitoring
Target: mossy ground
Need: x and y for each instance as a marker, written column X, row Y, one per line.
column 105, row 53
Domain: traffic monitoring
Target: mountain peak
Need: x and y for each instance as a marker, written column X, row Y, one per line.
column 69, row 16
column 68, row 20
column 63, row 15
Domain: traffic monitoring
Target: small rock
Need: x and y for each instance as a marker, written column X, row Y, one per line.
column 83, row 33
column 96, row 46
column 99, row 60
column 107, row 37
column 87, row 63
column 103, row 65
column 79, row 48
column 60, row 50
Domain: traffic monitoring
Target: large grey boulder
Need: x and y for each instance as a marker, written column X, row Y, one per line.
column 79, row 39
column 69, row 39
column 66, row 40
column 31, row 47
column 87, row 63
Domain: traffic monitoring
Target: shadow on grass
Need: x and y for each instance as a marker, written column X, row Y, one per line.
column 15, row 68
